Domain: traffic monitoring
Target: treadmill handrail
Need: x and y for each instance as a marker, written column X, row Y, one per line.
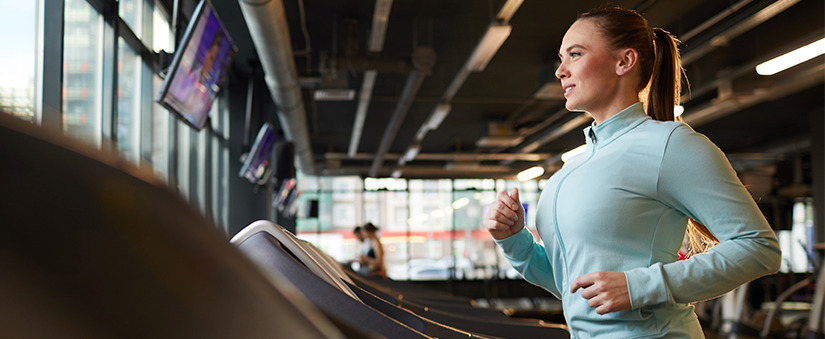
column 289, row 241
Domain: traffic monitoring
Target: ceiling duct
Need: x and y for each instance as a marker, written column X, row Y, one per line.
column 267, row 25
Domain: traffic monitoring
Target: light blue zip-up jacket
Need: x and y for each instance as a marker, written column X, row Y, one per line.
column 623, row 206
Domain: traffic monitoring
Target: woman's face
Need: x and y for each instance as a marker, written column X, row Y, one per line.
column 588, row 68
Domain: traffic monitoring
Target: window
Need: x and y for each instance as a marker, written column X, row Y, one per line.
column 183, row 158
column 17, row 58
column 161, row 118
column 128, row 102
column 200, row 168
column 106, row 89
column 161, row 31
column 430, row 229
column 160, row 141
column 220, row 167
column 131, row 11
column 82, row 72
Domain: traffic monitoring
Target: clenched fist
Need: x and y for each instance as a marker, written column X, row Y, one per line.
column 505, row 216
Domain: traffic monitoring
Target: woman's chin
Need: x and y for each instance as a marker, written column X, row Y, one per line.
column 573, row 108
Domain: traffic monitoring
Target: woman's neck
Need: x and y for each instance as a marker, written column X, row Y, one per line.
column 624, row 94
column 614, row 107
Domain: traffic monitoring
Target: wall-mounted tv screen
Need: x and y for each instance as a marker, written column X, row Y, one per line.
column 257, row 167
column 198, row 68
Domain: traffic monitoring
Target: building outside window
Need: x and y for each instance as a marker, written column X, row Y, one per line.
column 17, row 58
column 128, row 105
column 131, row 11
column 82, row 72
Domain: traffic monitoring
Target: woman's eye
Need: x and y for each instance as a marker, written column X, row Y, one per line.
column 574, row 54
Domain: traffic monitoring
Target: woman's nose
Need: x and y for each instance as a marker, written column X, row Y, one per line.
column 561, row 71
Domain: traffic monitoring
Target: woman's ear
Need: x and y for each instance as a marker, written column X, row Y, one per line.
column 627, row 60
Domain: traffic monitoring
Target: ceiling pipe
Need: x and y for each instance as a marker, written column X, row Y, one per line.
column 714, row 20
column 501, row 23
column 268, row 28
column 731, row 33
column 361, row 111
column 380, row 20
column 423, row 59
column 411, row 87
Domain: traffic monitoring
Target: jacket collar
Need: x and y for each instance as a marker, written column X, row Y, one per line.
column 615, row 126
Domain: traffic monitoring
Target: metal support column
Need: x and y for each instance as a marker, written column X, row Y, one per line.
column 48, row 101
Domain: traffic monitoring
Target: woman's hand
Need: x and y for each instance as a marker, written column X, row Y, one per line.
column 604, row 291
column 505, row 217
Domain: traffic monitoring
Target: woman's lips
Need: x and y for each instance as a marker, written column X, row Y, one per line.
column 567, row 89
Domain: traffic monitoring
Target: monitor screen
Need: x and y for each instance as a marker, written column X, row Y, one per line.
column 257, row 167
column 199, row 66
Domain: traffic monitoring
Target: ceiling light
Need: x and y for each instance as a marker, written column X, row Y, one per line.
column 530, row 173
column 573, row 152
column 792, row 58
column 412, row 152
column 380, row 18
column 439, row 113
column 361, row 111
column 461, row 203
column 678, row 110
column 508, row 9
column 488, row 46
column 499, row 141
column 334, row 94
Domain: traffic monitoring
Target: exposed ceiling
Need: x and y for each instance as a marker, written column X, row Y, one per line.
column 499, row 122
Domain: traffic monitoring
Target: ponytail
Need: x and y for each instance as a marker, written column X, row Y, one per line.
column 698, row 238
column 666, row 80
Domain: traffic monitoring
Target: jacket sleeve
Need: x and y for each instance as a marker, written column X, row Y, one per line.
column 696, row 179
column 530, row 259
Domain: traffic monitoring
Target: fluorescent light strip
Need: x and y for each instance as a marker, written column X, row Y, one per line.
column 530, row 173
column 488, row 46
column 380, row 18
column 361, row 111
column 412, row 152
column 508, row 9
column 439, row 113
column 792, row 58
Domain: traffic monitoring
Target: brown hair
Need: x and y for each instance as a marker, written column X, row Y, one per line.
column 369, row 227
column 660, row 79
